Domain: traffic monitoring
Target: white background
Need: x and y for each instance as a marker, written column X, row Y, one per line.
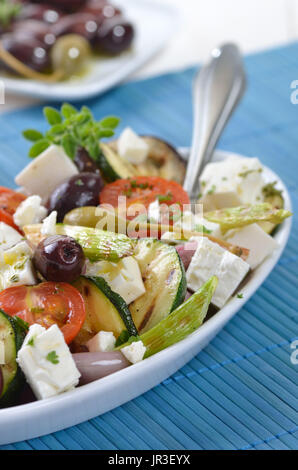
column 253, row 24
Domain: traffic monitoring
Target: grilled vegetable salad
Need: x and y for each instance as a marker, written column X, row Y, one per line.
column 103, row 263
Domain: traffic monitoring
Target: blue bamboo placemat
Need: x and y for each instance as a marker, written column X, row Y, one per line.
column 241, row 391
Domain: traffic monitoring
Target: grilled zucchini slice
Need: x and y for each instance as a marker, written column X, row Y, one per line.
column 164, row 279
column 105, row 310
column 12, row 332
column 163, row 160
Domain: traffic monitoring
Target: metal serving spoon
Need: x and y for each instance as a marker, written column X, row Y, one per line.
column 217, row 89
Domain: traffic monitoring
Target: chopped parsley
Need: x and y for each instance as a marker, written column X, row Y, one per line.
column 37, row 310
column 14, row 278
column 212, row 189
column 269, row 190
column 202, row 228
column 52, row 357
column 240, row 296
column 127, row 192
column 31, row 341
column 164, row 197
column 248, row 172
column 79, row 182
column 21, row 264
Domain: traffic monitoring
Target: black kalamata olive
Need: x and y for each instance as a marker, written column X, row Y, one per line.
column 78, row 191
column 101, row 9
column 45, row 12
column 114, row 36
column 84, row 24
column 59, row 258
column 37, row 30
column 65, row 5
column 85, row 163
column 28, row 50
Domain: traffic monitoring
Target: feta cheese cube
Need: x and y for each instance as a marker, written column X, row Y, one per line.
column 46, row 172
column 8, row 236
column 195, row 222
column 239, row 175
column 102, row 341
column 259, row 243
column 30, row 211
column 220, row 200
column 211, row 259
column 16, row 268
column 2, row 352
column 173, row 237
column 134, row 352
column 34, row 330
column 123, row 277
column 49, row 224
column 131, row 147
column 47, row 362
column 154, row 212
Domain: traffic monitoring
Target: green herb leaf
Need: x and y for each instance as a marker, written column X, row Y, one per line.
column 125, row 338
column 212, row 190
column 202, row 228
column 110, row 122
column 71, row 129
column 31, row 341
column 38, row 147
column 69, row 145
column 122, row 338
column 52, row 357
column 32, row 135
column 68, row 110
column 37, row 310
column 57, row 129
column 52, row 115
column 164, row 197
column 105, row 133
column 92, row 147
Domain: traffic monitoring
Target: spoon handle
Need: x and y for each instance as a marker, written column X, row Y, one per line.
column 218, row 87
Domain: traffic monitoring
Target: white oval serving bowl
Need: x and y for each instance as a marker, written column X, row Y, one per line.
column 50, row 415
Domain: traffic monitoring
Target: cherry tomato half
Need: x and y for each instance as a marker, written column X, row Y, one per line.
column 10, row 200
column 142, row 190
column 47, row 303
column 8, row 219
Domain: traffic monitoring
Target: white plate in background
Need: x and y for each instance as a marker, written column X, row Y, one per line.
column 154, row 24
column 50, row 415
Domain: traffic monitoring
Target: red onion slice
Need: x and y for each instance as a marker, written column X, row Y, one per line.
column 95, row 365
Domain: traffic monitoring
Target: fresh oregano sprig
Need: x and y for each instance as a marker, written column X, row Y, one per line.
column 71, row 128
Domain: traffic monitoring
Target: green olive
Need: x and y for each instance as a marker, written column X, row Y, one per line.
column 70, row 54
column 96, row 217
column 84, row 216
